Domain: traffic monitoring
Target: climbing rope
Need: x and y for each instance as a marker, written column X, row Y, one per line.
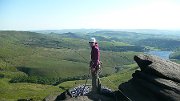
column 86, row 82
column 118, row 89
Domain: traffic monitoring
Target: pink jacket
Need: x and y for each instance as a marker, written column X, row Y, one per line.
column 95, row 56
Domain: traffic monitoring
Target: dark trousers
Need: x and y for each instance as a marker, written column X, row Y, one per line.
column 96, row 86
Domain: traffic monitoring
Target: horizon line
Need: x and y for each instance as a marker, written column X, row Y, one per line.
column 89, row 29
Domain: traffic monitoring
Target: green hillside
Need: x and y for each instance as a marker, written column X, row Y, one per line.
column 160, row 43
column 28, row 58
column 50, row 58
column 15, row 91
column 34, row 65
column 175, row 56
column 163, row 40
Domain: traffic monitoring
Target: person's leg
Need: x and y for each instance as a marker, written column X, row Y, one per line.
column 96, row 86
column 94, row 82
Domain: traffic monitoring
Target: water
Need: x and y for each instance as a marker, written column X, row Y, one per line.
column 162, row 54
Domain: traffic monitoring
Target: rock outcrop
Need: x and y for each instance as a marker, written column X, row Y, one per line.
column 158, row 80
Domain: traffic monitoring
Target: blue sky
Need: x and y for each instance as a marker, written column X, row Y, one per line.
column 75, row 14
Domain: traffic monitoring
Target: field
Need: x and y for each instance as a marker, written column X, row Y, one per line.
column 15, row 91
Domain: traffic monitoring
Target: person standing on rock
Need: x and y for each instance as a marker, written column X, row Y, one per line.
column 95, row 64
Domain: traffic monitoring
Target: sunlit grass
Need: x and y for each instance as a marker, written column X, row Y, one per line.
column 15, row 91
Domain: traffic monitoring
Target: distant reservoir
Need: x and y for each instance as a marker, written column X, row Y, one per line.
column 162, row 54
